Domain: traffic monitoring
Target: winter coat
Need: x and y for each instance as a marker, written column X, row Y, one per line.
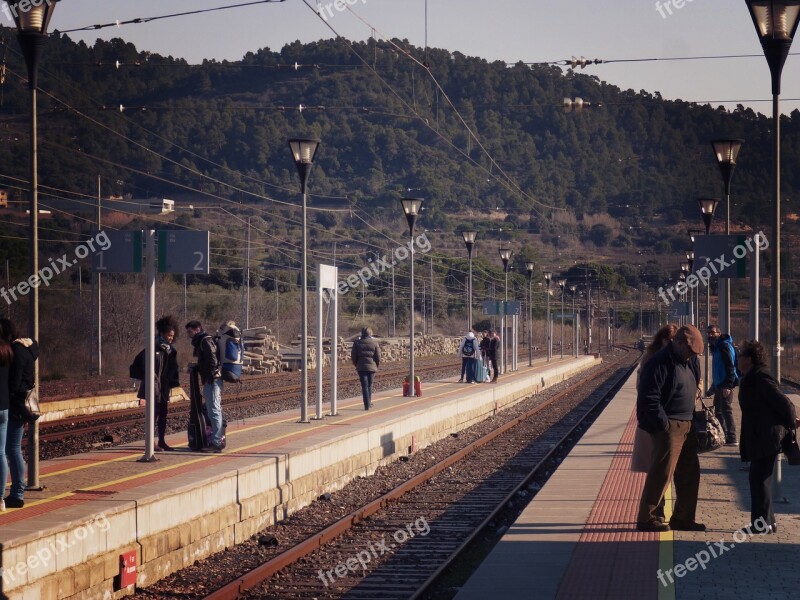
column 365, row 355
column 205, row 351
column 667, row 390
column 767, row 415
column 21, row 373
column 723, row 369
column 166, row 373
column 469, row 336
column 494, row 344
column 484, row 345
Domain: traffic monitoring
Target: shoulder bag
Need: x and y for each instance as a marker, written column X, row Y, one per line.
column 790, row 448
column 707, row 428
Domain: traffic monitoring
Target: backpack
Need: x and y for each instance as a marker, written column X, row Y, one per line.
column 230, row 350
column 136, row 369
column 736, row 365
column 468, row 350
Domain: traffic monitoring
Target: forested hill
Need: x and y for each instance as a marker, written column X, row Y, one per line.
column 385, row 126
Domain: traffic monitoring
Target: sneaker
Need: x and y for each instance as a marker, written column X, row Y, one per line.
column 14, row 502
column 679, row 525
column 652, row 526
column 2, row 506
column 460, row 381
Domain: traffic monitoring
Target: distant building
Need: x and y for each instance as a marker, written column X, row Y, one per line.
column 163, row 206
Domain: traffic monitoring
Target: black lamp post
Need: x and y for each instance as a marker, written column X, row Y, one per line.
column 411, row 209
column 469, row 240
column 505, row 256
column 529, row 268
column 303, row 151
column 690, row 261
column 548, row 276
column 32, row 34
column 776, row 23
column 726, row 152
column 707, row 208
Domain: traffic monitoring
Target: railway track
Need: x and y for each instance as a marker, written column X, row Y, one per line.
column 404, row 541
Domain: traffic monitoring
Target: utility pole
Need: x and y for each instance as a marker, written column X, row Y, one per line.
column 432, row 296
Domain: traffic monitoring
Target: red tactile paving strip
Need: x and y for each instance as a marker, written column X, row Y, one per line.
column 612, row 560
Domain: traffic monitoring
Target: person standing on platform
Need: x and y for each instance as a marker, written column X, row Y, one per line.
column 210, row 371
column 165, row 377
column 724, row 379
column 468, row 351
column 767, row 416
column 6, row 358
column 366, row 357
column 664, row 408
column 21, row 380
column 491, row 354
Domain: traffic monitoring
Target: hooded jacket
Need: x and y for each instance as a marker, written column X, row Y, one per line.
column 20, row 378
column 723, row 368
column 469, row 336
column 365, row 355
column 205, row 350
column 166, row 370
column 767, row 414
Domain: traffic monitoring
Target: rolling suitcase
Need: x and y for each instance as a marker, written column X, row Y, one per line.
column 197, row 429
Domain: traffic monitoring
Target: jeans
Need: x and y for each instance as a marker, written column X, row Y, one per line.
column 464, row 362
column 3, row 463
column 16, row 431
column 723, row 408
column 212, row 393
column 366, row 387
column 161, row 408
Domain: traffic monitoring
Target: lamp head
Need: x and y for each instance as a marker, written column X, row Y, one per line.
column 707, row 208
column 469, row 240
column 411, row 209
column 32, row 32
column 726, row 152
column 505, row 256
column 776, row 23
column 304, row 150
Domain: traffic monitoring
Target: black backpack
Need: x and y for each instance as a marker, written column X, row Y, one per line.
column 468, row 350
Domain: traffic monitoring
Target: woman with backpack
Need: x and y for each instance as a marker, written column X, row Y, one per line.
column 468, row 351
column 24, row 352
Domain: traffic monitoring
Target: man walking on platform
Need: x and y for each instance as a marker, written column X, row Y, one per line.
column 664, row 408
column 724, row 378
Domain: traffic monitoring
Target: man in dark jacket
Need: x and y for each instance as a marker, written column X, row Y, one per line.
column 664, row 408
column 767, row 416
column 724, row 379
column 166, row 374
column 491, row 353
column 366, row 359
column 209, row 368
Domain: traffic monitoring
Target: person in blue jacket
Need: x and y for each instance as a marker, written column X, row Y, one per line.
column 724, row 379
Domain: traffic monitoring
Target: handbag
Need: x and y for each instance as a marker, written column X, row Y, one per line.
column 790, row 448
column 707, row 428
column 30, row 407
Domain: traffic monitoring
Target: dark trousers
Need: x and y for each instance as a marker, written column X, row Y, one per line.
column 161, row 418
column 464, row 365
column 366, row 387
column 674, row 457
column 723, row 409
column 761, row 478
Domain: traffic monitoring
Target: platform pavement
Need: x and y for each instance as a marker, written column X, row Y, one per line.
column 68, row 540
column 577, row 539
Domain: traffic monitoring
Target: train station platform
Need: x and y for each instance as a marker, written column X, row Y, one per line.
column 106, row 521
column 577, row 538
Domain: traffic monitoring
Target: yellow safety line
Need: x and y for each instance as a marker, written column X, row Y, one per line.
column 666, row 552
column 211, row 456
column 254, row 427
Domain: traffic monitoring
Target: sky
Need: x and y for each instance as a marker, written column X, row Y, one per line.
column 508, row 30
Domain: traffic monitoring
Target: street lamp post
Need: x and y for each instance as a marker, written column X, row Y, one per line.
column 505, row 256
column 776, row 23
column 575, row 320
column 529, row 267
column 411, row 209
column 469, row 240
column 547, row 327
column 562, row 284
column 707, row 208
column 32, row 34
column 684, row 271
column 692, row 293
column 726, row 152
column 303, row 151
